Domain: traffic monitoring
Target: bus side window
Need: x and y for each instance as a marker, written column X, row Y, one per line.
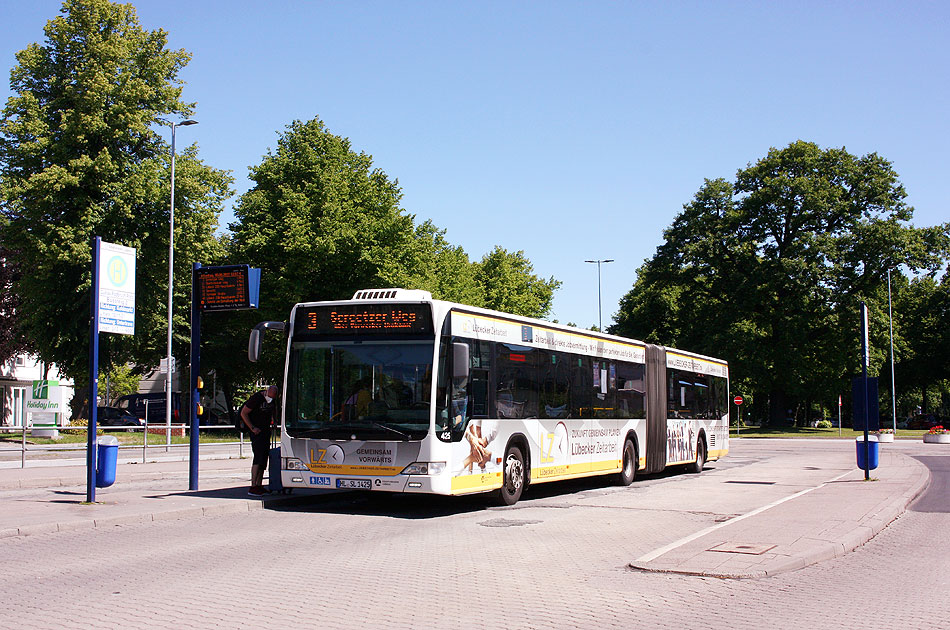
column 581, row 387
column 630, row 390
column 479, row 393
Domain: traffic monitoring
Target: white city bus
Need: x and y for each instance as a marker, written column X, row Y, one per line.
column 397, row 392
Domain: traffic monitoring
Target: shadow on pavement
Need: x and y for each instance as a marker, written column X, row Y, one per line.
column 427, row 506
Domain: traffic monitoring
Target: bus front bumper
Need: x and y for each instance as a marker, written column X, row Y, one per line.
column 432, row 484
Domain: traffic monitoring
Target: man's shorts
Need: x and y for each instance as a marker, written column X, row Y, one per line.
column 260, row 444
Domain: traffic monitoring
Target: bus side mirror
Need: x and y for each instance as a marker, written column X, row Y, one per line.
column 255, row 342
column 254, row 345
column 460, row 361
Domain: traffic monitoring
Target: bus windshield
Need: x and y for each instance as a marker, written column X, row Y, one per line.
column 362, row 391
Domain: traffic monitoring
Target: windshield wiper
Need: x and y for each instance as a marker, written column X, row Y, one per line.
column 380, row 425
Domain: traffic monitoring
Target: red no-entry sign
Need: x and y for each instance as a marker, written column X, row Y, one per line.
column 737, row 400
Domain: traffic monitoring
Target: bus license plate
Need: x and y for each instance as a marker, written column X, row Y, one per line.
column 354, row 484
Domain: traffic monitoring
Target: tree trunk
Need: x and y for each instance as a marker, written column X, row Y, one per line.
column 778, row 409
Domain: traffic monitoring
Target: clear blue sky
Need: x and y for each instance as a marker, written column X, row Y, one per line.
column 569, row 130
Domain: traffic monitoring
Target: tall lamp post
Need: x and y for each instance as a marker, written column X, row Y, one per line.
column 171, row 289
column 600, row 320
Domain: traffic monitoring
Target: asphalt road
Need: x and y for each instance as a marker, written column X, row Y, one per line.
column 936, row 498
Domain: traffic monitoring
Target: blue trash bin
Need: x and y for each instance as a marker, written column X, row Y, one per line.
column 873, row 452
column 107, row 452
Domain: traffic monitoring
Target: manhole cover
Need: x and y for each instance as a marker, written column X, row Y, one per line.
column 753, row 549
column 506, row 522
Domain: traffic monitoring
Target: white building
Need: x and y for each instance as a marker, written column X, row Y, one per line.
column 16, row 382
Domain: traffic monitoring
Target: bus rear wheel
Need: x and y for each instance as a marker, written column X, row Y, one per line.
column 628, row 470
column 513, row 477
column 697, row 466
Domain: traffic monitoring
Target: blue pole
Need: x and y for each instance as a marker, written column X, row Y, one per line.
column 93, row 374
column 195, row 373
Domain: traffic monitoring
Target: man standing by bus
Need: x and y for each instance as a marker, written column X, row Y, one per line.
column 257, row 414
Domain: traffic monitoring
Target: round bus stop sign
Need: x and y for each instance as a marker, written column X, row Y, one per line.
column 737, row 400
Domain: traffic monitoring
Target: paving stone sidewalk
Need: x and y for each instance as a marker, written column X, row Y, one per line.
column 46, row 499
column 826, row 521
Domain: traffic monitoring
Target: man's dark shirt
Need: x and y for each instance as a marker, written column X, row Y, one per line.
column 260, row 411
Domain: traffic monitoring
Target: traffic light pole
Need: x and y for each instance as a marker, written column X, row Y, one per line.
column 195, row 379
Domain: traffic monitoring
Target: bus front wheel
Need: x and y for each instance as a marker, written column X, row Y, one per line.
column 513, row 477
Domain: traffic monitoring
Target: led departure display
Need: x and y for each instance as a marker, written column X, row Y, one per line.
column 227, row 288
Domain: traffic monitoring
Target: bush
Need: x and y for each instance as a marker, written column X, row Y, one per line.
column 77, row 426
column 824, row 424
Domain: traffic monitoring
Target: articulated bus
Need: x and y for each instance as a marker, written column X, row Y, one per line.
column 397, row 392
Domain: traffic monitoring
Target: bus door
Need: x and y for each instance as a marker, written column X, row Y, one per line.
column 584, row 405
column 517, row 397
column 604, row 450
column 554, row 412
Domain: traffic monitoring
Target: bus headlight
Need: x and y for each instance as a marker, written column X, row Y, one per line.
column 424, row 468
column 292, row 463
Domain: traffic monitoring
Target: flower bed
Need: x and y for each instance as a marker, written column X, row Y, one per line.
column 937, row 435
column 885, row 435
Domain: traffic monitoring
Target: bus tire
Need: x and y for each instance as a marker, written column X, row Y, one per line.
column 513, row 477
column 629, row 464
column 697, row 466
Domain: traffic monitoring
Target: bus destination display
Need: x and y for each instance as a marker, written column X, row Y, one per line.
column 365, row 319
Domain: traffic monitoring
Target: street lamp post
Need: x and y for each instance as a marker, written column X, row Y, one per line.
column 600, row 320
column 171, row 290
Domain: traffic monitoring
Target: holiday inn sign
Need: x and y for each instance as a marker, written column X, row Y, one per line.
column 46, row 396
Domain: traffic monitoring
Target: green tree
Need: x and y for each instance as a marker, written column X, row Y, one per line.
column 80, row 156
column 922, row 343
column 768, row 271
column 12, row 340
column 120, row 380
column 321, row 222
column 444, row 269
column 507, row 283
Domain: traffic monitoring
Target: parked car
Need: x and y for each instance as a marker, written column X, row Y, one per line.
column 154, row 403
column 926, row 421
column 115, row 417
column 216, row 416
